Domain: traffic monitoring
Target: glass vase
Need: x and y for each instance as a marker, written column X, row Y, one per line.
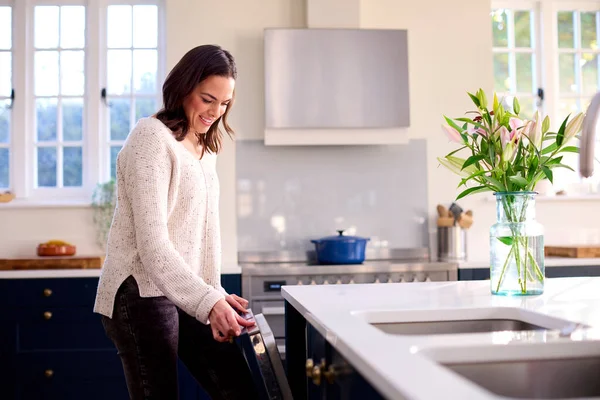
column 516, row 246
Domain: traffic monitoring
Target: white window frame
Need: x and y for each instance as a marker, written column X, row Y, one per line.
column 96, row 154
column 547, row 51
column 9, row 3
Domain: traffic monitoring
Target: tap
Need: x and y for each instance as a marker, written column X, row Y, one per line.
column 588, row 138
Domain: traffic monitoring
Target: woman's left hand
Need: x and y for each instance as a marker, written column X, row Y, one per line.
column 237, row 303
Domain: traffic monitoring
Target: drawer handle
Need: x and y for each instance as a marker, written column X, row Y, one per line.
column 273, row 311
column 49, row 373
column 47, row 292
column 47, row 315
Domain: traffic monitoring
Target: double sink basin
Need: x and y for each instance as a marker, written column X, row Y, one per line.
column 550, row 365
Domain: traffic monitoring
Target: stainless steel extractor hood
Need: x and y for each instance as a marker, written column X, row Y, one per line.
column 336, row 79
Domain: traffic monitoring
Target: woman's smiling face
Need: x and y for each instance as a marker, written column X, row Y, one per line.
column 208, row 102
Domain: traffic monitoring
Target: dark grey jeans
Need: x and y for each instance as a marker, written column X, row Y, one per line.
column 151, row 333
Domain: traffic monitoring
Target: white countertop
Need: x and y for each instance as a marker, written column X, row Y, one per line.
column 407, row 366
column 548, row 262
column 80, row 273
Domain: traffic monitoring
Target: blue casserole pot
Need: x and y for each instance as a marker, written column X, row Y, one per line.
column 340, row 249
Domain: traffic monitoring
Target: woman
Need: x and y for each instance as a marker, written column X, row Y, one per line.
column 159, row 293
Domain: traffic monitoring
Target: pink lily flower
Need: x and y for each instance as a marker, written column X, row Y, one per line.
column 515, row 123
column 471, row 130
column 452, row 134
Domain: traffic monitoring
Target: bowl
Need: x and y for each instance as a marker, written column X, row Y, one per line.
column 52, row 250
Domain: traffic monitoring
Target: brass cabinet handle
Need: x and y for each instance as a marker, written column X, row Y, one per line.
column 47, row 315
column 309, row 367
column 330, row 374
column 47, row 292
column 316, row 375
column 314, row 371
column 49, row 373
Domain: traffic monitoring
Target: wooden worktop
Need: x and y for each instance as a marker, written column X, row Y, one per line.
column 59, row 262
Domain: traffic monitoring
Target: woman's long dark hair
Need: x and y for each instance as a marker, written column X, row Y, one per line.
column 195, row 66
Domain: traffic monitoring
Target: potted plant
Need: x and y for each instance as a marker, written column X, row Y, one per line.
column 104, row 200
column 508, row 156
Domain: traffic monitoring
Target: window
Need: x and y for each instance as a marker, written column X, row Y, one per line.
column 546, row 53
column 86, row 71
column 5, row 93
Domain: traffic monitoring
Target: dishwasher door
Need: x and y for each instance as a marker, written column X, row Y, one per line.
column 260, row 351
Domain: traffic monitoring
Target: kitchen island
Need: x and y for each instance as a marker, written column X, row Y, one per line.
column 353, row 341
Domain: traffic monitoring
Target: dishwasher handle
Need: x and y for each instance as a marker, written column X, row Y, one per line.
column 273, row 311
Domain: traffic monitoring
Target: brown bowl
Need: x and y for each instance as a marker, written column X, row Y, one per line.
column 50, row 250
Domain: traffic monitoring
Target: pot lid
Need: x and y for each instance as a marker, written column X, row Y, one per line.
column 342, row 238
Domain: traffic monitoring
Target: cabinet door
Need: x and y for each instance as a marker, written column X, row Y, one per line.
column 70, row 375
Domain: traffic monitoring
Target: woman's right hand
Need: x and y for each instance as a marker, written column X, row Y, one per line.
column 225, row 322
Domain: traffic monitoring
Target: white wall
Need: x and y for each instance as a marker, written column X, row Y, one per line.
column 449, row 51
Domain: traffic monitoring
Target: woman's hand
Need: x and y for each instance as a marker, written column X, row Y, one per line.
column 238, row 303
column 225, row 322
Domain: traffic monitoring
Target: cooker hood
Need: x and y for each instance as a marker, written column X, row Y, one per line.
column 337, row 84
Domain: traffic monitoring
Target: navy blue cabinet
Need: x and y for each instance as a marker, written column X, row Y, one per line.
column 52, row 346
column 475, row 274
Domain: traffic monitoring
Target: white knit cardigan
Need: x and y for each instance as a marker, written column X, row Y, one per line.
column 165, row 231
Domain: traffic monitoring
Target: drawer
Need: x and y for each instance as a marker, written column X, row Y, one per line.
column 70, row 375
column 56, row 328
column 47, row 292
column 274, row 313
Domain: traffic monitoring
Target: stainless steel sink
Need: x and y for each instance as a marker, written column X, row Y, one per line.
column 455, row 327
column 565, row 378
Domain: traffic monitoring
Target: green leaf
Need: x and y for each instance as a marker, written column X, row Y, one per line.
column 494, row 182
column 533, row 168
column 560, row 166
column 569, row 149
column 473, row 190
column 516, row 106
column 470, row 121
column 472, row 160
column 518, row 180
column 496, row 104
column 545, row 125
column 476, row 174
column 474, row 98
column 507, row 240
column 452, row 124
column 550, row 148
column 456, row 151
column 560, row 135
column 548, row 173
column 556, row 160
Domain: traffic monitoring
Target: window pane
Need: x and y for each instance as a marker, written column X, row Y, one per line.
column 144, row 108
column 46, row 163
column 5, row 28
column 522, row 29
column 524, row 64
column 566, row 73
column 144, row 70
column 588, row 30
column 46, row 27
column 46, row 73
column 119, row 71
column 72, row 27
column 119, row 119
column 527, row 107
column 567, row 106
column 72, row 114
column 72, row 77
column 4, row 121
column 589, row 73
column 5, row 73
column 119, row 26
column 499, row 24
column 501, row 78
column 565, row 30
column 4, row 162
column 114, row 151
column 145, row 26
column 72, row 164
column 46, row 119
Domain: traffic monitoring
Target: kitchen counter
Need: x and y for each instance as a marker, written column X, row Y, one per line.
column 548, row 262
column 80, row 273
column 408, row 366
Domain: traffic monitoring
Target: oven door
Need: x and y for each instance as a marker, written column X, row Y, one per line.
column 260, row 350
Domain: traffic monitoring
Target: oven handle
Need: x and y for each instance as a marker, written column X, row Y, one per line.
column 273, row 310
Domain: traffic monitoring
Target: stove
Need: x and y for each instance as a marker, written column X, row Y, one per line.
column 264, row 273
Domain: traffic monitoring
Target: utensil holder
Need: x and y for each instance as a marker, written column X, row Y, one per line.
column 452, row 243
